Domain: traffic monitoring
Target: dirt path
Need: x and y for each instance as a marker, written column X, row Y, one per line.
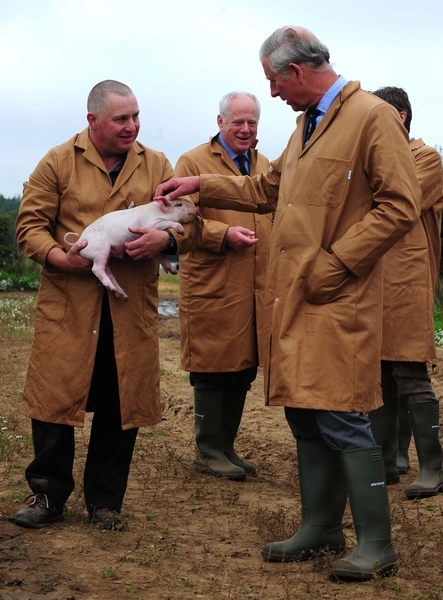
column 190, row 536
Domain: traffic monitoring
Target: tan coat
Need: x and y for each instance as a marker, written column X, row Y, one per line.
column 222, row 291
column 428, row 166
column 352, row 190
column 68, row 190
column 410, row 271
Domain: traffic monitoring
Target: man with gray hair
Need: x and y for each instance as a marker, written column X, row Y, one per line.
column 91, row 351
column 222, row 284
column 345, row 192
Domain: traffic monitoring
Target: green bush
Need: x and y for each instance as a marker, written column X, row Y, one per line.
column 10, row 282
column 438, row 316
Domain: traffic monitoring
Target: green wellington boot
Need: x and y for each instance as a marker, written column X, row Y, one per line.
column 425, row 426
column 323, row 497
column 404, row 436
column 384, row 425
column 368, row 497
column 209, row 437
column 233, row 405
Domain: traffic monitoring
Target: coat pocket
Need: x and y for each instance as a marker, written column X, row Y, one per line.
column 208, row 278
column 330, row 178
column 52, row 296
column 327, row 279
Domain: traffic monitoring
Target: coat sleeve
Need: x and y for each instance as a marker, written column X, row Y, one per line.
column 213, row 232
column 192, row 231
column 390, row 172
column 428, row 167
column 245, row 194
column 39, row 207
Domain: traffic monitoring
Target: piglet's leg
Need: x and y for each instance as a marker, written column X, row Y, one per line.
column 118, row 291
column 170, row 225
column 101, row 270
column 167, row 267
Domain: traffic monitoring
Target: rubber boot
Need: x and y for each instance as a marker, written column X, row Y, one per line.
column 425, row 426
column 233, row 405
column 384, row 425
column 368, row 497
column 209, row 436
column 404, row 436
column 323, row 497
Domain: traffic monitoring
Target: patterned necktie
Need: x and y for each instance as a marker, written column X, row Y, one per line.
column 311, row 124
column 241, row 159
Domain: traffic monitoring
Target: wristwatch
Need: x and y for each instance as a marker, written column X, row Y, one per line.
column 171, row 248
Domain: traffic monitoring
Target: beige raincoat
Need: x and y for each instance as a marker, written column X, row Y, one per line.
column 68, row 190
column 352, row 191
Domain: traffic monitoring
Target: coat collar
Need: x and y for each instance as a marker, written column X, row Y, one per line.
column 345, row 93
column 217, row 148
column 416, row 144
column 133, row 158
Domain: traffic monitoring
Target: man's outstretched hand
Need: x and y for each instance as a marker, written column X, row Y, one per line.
column 180, row 186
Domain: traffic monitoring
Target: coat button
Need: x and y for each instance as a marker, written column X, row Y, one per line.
column 95, row 332
column 282, row 251
column 276, row 300
column 289, row 205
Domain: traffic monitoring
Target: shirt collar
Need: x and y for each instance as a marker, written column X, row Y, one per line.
column 330, row 95
column 231, row 152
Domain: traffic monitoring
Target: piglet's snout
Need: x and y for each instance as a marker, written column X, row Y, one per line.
column 182, row 211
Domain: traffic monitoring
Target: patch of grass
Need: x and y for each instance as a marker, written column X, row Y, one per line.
column 109, row 573
column 168, row 284
column 158, row 433
column 17, row 316
column 19, row 496
column 130, row 588
column 11, row 443
column 438, row 317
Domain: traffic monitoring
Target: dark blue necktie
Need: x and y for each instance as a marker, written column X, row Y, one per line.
column 311, row 124
column 241, row 159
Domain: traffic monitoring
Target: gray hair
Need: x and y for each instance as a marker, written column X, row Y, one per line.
column 286, row 46
column 98, row 96
column 226, row 101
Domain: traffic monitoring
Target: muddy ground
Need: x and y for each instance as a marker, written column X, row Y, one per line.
column 187, row 535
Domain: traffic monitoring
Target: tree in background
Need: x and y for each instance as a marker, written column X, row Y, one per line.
column 9, row 251
column 16, row 271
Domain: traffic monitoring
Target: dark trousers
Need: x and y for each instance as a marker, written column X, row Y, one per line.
column 110, row 448
column 340, row 431
column 233, row 381
column 411, row 379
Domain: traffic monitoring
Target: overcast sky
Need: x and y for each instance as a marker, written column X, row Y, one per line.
column 180, row 56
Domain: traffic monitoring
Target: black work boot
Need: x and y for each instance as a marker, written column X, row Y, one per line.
column 38, row 512
column 323, row 496
column 106, row 518
column 404, row 436
column 233, row 405
column 368, row 497
column 41, row 510
column 209, row 436
column 425, row 426
column 384, row 425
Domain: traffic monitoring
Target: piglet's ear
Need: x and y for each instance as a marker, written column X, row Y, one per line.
column 164, row 204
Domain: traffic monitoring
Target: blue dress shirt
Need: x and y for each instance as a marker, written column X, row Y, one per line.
column 233, row 154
